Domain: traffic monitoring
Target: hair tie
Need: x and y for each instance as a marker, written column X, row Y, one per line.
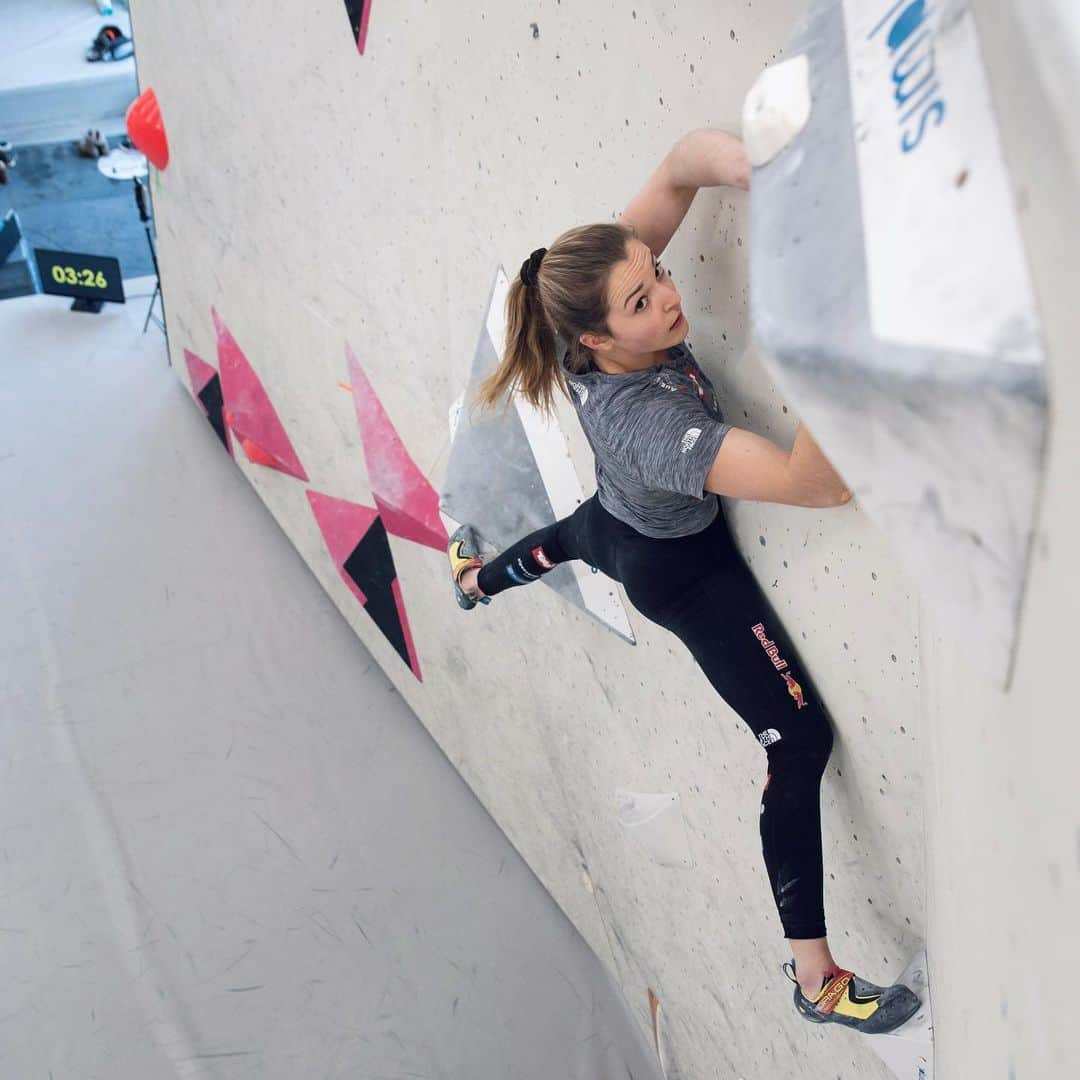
column 531, row 266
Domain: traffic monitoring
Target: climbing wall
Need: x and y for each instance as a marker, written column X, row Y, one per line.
column 341, row 210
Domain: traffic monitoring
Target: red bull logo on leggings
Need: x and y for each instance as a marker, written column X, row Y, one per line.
column 781, row 665
column 795, row 690
column 770, row 648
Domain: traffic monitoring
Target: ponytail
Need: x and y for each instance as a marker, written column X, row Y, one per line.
column 567, row 299
column 530, row 364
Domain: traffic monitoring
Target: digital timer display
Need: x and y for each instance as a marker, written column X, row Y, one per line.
column 86, row 277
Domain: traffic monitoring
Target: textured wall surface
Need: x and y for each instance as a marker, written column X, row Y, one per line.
column 321, row 200
column 1002, row 803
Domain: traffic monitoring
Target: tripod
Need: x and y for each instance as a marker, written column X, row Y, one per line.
column 140, row 201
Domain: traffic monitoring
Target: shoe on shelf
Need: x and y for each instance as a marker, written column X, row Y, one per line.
column 846, row 999
column 464, row 554
column 7, row 153
column 87, row 146
column 102, row 144
column 111, row 43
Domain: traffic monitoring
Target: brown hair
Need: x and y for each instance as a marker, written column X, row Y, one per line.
column 567, row 300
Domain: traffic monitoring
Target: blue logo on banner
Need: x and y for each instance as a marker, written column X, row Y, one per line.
column 916, row 89
column 909, row 21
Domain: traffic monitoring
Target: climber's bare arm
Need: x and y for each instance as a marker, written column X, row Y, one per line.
column 703, row 158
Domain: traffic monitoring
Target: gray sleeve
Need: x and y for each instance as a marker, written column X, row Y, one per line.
column 666, row 440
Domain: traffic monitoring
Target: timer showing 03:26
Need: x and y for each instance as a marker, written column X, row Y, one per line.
column 87, row 277
column 68, row 275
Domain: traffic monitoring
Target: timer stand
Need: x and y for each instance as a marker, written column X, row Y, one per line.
column 83, row 304
column 144, row 217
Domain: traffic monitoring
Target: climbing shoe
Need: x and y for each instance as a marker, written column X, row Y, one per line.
column 464, row 553
column 93, row 145
column 846, row 999
column 87, row 146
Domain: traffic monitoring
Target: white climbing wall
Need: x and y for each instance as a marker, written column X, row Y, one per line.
column 321, row 200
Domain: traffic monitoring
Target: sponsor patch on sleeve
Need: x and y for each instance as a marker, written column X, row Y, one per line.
column 540, row 556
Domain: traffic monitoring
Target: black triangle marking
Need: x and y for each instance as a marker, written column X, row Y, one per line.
column 213, row 402
column 371, row 566
column 355, row 8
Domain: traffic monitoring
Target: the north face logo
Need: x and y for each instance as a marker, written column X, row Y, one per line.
column 580, row 389
column 689, row 440
column 767, row 738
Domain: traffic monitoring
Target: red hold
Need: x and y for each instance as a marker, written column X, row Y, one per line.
column 146, row 128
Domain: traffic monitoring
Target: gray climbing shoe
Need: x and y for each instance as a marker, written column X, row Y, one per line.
column 846, row 999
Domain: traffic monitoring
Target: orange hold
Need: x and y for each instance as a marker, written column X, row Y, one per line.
column 146, row 129
column 257, row 455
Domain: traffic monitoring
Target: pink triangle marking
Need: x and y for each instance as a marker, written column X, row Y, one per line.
column 251, row 413
column 200, row 373
column 414, row 663
column 399, row 524
column 409, row 504
column 343, row 525
column 361, row 38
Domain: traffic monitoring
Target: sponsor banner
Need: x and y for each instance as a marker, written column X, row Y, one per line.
column 944, row 258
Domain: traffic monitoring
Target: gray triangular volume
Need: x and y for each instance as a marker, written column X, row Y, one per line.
column 516, row 501
column 505, row 502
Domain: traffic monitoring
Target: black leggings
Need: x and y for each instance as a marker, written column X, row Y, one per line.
column 699, row 588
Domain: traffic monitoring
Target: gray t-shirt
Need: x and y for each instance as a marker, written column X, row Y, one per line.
column 654, row 435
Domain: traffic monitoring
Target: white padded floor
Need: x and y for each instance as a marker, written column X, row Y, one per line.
column 230, row 850
column 48, row 90
column 45, row 42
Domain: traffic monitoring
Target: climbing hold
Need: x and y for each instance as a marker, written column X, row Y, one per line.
column 146, row 129
column 776, row 109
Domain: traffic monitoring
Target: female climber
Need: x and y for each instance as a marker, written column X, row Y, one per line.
column 663, row 457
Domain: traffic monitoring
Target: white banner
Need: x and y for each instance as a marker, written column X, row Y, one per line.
column 944, row 257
